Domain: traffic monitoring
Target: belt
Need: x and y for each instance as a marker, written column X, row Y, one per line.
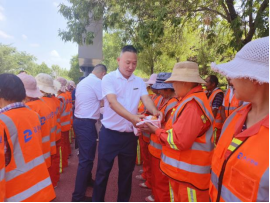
column 89, row 119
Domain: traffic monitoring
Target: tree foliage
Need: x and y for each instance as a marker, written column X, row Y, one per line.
column 147, row 19
column 13, row 61
column 74, row 72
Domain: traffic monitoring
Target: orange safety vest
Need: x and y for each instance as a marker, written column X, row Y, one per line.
column 244, row 176
column 218, row 120
column 57, row 113
column 2, row 165
column 27, row 178
column 46, row 120
column 70, row 105
column 157, row 101
column 155, row 146
column 230, row 106
column 193, row 165
column 51, row 103
column 65, row 112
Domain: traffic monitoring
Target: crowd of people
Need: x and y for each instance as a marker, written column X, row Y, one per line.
column 211, row 145
column 35, row 135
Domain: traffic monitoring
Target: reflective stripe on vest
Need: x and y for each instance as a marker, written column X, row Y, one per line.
column 19, row 159
column 155, row 145
column 46, row 139
column 169, row 107
column 225, row 193
column 47, row 155
column 52, row 143
column 146, row 134
column 198, row 146
column 65, row 123
column 30, row 191
column 185, row 166
column 187, row 100
column 2, row 174
column 263, row 191
column 170, row 139
column 53, row 129
column 192, row 197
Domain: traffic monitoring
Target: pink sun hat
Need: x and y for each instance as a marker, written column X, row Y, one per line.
column 63, row 83
column 152, row 79
column 30, row 85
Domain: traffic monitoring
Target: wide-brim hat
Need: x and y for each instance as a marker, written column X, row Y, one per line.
column 160, row 82
column 252, row 62
column 63, row 83
column 45, row 83
column 56, row 85
column 30, row 85
column 185, row 72
column 152, row 79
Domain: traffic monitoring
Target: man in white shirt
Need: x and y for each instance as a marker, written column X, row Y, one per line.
column 122, row 92
column 87, row 105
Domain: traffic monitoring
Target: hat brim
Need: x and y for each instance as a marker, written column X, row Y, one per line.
column 242, row 68
column 47, row 89
column 179, row 78
column 160, row 86
column 33, row 93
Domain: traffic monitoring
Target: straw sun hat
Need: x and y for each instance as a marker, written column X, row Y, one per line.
column 186, row 72
column 252, row 62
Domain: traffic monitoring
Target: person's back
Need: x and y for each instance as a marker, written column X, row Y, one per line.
column 27, row 177
column 86, row 99
column 48, row 140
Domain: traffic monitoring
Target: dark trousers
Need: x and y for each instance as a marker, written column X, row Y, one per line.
column 111, row 144
column 86, row 133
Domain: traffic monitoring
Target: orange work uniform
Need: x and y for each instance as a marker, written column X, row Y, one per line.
column 26, row 175
column 55, row 158
column 46, row 119
column 240, row 166
column 188, row 147
column 2, row 165
column 157, row 99
column 65, row 127
column 218, row 119
column 160, row 182
column 230, row 102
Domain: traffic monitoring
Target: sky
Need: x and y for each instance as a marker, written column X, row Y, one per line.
column 32, row 26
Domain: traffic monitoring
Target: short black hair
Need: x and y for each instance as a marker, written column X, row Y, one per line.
column 213, row 79
column 129, row 48
column 11, row 88
column 100, row 67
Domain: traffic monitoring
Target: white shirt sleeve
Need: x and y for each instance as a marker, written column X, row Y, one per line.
column 98, row 90
column 143, row 87
column 107, row 86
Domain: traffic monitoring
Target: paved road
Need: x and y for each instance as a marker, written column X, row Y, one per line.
column 65, row 187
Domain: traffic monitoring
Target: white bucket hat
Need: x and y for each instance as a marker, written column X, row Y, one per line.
column 45, row 83
column 30, row 85
column 252, row 62
column 63, row 83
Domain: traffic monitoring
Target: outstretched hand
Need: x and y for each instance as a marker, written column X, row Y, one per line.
column 148, row 127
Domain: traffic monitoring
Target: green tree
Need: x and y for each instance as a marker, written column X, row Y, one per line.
column 112, row 45
column 147, row 19
column 74, row 72
column 13, row 61
column 57, row 71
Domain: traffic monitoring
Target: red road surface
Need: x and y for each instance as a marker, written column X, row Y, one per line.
column 65, row 187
